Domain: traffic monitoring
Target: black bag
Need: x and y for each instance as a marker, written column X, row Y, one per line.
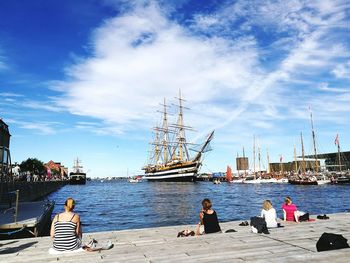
column 329, row 241
column 304, row 217
column 260, row 224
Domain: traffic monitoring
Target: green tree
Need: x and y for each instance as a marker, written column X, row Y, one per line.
column 32, row 165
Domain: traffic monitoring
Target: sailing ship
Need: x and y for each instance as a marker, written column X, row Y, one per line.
column 169, row 158
column 77, row 176
column 343, row 177
column 309, row 178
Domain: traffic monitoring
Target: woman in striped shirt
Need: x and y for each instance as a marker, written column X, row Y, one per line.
column 66, row 228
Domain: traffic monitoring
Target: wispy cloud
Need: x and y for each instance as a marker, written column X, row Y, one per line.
column 43, row 128
column 252, row 63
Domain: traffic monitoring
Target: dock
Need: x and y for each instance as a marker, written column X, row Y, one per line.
column 295, row 242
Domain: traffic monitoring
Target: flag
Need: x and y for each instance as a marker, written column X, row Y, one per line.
column 281, row 158
column 336, row 141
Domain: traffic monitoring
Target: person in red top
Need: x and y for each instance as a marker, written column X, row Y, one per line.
column 289, row 210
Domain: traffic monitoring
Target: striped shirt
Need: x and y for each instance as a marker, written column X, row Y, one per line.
column 65, row 235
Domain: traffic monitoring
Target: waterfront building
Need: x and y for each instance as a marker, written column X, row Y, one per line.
column 332, row 160
column 290, row 166
column 5, row 156
column 56, row 168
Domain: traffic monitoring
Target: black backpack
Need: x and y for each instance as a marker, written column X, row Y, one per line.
column 260, row 224
column 329, row 241
column 304, row 217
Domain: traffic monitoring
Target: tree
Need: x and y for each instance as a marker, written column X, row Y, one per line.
column 33, row 165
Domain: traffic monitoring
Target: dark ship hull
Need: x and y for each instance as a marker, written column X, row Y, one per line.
column 77, row 178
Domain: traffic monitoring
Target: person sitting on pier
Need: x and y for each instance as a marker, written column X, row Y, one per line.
column 269, row 213
column 66, row 228
column 289, row 210
column 208, row 218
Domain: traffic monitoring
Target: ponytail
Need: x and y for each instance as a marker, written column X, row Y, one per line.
column 70, row 203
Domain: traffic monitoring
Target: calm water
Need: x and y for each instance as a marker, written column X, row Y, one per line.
column 117, row 205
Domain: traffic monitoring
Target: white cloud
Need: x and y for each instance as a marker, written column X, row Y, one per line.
column 44, row 128
column 142, row 56
column 342, row 70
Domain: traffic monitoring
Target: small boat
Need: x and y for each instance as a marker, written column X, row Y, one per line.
column 134, row 180
column 216, row 181
column 303, row 181
column 343, row 179
column 27, row 219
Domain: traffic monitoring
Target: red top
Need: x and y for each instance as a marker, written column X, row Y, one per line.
column 290, row 209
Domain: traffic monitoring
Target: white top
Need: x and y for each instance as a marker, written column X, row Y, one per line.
column 270, row 217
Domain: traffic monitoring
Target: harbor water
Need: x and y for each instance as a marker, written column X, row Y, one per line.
column 118, row 204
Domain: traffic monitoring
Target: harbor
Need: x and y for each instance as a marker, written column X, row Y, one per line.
column 295, row 242
column 136, row 123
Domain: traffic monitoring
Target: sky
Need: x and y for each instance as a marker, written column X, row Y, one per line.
column 86, row 78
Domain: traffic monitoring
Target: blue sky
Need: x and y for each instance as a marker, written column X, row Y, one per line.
column 85, row 78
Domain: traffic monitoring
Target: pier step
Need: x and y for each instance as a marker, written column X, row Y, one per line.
column 292, row 243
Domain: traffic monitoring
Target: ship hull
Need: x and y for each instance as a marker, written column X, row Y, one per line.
column 343, row 180
column 77, row 178
column 302, row 182
column 187, row 173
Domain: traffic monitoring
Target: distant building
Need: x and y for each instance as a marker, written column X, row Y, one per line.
column 332, row 160
column 57, row 168
column 291, row 166
column 5, row 156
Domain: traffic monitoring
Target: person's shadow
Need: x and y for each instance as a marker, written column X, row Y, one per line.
column 11, row 250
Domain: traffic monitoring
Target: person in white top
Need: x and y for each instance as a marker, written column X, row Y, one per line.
column 269, row 213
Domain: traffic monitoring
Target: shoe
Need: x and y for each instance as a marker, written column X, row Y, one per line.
column 108, row 245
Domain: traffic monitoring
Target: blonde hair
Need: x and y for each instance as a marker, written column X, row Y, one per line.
column 70, row 204
column 288, row 200
column 267, row 205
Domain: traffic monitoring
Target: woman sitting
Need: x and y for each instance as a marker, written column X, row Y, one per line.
column 269, row 213
column 66, row 229
column 289, row 210
column 208, row 218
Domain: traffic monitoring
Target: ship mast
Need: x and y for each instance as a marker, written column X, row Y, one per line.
column 295, row 159
column 338, row 145
column 254, row 155
column 179, row 150
column 165, row 137
column 314, row 141
column 259, row 160
column 303, row 153
column 245, row 171
column 268, row 161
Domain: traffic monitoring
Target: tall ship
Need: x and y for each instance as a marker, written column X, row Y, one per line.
column 77, row 176
column 169, row 158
